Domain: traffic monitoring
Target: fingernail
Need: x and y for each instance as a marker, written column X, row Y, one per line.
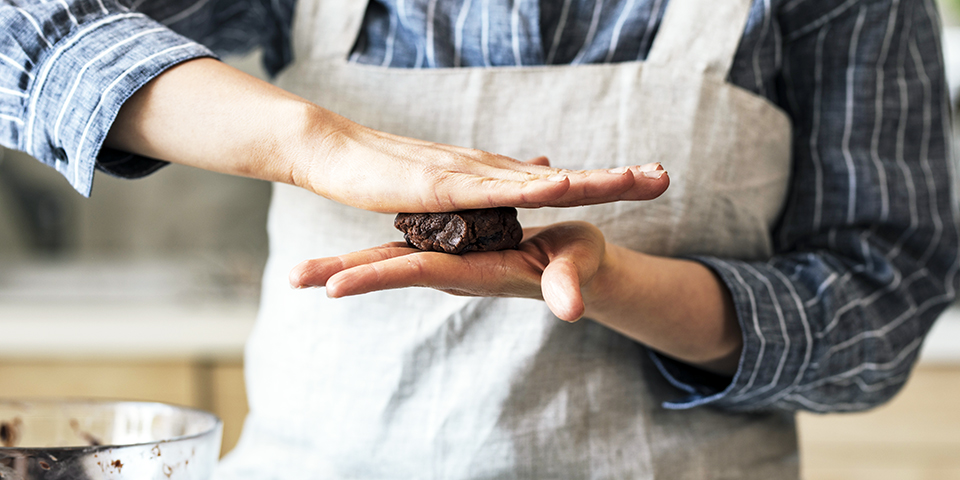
column 651, row 167
column 557, row 178
column 653, row 174
column 618, row 170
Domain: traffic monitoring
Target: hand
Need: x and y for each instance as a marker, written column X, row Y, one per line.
column 556, row 264
column 676, row 306
column 206, row 114
column 378, row 171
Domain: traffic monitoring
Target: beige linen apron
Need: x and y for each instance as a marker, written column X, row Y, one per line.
column 416, row 384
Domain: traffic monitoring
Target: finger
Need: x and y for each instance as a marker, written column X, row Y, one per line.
column 316, row 272
column 574, row 251
column 480, row 162
column 463, row 191
column 499, row 166
column 588, row 183
column 540, row 167
column 586, row 186
column 529, row 232
column 488, row 180
column 468, row 191
column 480, row 274
column 541, row 161
column 647, row 182
column 651, row 180
column 472, row 160
column 637, row 182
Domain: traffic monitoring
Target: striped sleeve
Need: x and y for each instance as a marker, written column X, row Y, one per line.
column 67, row 66
column 866, row 251
column 230, row 27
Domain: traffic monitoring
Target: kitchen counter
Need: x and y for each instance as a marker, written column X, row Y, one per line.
column 171, row 309
column 208, row 331
column 211, row 330
column 138, row 309
column 942, row 345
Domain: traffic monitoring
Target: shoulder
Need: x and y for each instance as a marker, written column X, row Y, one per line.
column 800, row 17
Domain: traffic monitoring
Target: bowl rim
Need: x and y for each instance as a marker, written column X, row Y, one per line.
column 217, row 424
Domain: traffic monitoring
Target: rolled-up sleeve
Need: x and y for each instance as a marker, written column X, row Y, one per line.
column 67, row 66
column 866, row 251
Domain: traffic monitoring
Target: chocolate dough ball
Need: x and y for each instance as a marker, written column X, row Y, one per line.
column 483, row 230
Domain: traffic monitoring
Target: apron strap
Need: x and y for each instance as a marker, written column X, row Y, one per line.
column 327, row 29
column 694, row 34
column 700, row 35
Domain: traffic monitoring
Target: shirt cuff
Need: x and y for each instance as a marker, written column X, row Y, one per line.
column 760, row 380
column 701, row 387
column 83, row 81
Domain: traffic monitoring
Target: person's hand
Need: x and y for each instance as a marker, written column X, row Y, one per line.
column 378, row 171
column 676, row 306
column 206, row 114
column 555, row 263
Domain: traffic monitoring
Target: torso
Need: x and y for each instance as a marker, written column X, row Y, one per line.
column 418, row 384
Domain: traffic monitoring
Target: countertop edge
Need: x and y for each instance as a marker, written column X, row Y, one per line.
column 213, row 331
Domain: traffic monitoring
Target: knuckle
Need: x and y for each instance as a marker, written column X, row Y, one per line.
column 415, row 265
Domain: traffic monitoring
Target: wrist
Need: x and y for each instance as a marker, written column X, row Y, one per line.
column 605, row 290
column 315, row 145
column 675, row 306
column 295, row 140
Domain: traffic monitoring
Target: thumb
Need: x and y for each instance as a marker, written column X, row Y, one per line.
column 560, row 287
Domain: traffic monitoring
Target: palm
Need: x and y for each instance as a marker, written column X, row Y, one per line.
column 552, row 263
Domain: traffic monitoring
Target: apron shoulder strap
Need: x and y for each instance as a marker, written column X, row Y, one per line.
column 700, row 35
column 327, row 29
column 694, row 34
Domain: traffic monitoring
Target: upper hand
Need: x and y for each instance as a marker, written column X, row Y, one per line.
column 377, row 171
column 557, row 263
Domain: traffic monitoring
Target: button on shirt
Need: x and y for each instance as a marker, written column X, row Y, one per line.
column 866, row 249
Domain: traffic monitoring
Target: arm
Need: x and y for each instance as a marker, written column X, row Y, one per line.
column 676, row 306
column 180, row 107
column 66, row 67
column 208, row 115
column 866, row 252
column 834, row 321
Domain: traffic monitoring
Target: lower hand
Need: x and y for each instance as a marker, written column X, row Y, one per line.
column 556, row 264
column 678, row 307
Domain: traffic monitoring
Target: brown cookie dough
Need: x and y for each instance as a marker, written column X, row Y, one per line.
column 483, row 230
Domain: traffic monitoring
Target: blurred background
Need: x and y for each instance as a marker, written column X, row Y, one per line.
column 148, row 290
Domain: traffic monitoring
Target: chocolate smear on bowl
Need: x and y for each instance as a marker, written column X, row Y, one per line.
column 10, row 432
column 85, row 436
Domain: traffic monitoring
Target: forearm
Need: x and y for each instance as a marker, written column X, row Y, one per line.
column 206, row 114
column 677, row 307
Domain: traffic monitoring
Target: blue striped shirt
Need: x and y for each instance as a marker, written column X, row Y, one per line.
column 865, row 252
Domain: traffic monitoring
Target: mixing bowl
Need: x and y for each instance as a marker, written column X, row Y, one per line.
column 94, row 440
